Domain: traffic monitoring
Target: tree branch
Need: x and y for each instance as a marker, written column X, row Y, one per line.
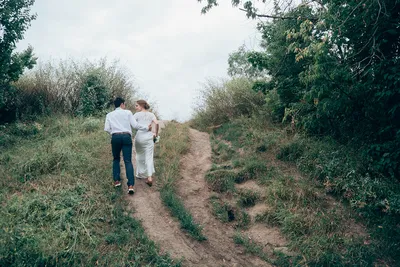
column 279, row 17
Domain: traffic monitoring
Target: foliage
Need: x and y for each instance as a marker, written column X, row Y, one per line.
column 59, row 207
column 15, row 18
column 240, row 66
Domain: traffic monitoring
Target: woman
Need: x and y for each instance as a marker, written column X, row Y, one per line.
column 144, row 142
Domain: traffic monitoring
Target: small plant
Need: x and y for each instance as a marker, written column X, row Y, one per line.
column 270, row 217
column 248, row 198
column 243, row 219
column 221, row 180
column 222, row 210
column 94, row 95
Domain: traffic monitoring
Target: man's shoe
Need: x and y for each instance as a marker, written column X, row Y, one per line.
column 131, row 191
column 117, row 183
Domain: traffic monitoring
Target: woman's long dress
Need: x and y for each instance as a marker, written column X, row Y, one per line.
column 144, row 145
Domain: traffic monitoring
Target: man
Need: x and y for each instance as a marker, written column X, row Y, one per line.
column 119, row 124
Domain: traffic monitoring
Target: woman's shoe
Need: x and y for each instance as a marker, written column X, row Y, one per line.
column 149, row 183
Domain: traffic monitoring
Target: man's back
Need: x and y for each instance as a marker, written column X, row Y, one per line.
column 119, row 121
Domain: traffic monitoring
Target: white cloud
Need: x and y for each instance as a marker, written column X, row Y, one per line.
column 168, row 45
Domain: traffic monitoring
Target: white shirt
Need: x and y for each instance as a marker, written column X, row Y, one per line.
column 120, row 121
column 144, row 117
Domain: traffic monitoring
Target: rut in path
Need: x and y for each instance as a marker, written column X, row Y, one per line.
column 219, row 249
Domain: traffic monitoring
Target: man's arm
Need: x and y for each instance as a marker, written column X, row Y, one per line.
column 135, row 124
column 107, row 126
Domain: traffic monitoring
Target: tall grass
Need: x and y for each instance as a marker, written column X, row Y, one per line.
column 220, row 102
column 174, row 144
column 55, row 86
column 58, row 205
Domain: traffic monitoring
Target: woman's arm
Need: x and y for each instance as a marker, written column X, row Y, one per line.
column 155, row 121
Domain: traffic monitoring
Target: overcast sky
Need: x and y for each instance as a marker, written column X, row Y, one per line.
column 168, row 45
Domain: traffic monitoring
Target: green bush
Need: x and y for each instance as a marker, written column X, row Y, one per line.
column 94, row 96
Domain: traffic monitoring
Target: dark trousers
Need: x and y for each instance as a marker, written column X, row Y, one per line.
column 122, row 142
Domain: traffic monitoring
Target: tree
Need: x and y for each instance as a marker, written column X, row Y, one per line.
column 15, row 18
column 335, row 66
column 241, row 66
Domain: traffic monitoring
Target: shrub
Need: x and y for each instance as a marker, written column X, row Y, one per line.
column 94, row 95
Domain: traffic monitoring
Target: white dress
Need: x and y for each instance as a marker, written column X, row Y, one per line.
column 144, row 145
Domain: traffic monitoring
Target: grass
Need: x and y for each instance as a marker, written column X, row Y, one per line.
column 324, row 231
column 58, row 203
column 251, row 246
column 221, row 180
column 174, row 144
column 222, row 210
column 248, row 198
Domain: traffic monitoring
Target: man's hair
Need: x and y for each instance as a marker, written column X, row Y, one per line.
column 118, row 101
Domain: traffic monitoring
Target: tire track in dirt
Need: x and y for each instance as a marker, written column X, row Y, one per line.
column 219, row 249
column 194, row 192
column 156, row 220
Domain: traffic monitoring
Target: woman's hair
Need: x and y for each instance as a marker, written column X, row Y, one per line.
column 143, row 104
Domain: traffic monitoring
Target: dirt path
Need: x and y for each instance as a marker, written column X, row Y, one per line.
column 219, row 249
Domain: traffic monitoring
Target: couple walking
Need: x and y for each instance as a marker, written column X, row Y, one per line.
column 119, row 124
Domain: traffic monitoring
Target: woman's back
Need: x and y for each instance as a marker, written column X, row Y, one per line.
column 144, row 118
